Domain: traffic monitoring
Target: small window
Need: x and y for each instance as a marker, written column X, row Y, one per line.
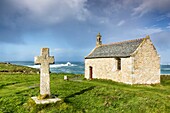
column 118, row 64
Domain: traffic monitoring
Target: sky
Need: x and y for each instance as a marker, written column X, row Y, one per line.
column 69, row 27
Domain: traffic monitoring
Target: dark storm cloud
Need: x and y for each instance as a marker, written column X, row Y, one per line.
column 10, row 32
column 69, row 20
column 11, row 37
column 30, row 16
column 75, row 23
column 20, row 17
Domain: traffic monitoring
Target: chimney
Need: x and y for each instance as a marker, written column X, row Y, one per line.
column 99, row 40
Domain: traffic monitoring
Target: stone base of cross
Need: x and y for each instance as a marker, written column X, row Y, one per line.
column 45, row 101
column 44, row 60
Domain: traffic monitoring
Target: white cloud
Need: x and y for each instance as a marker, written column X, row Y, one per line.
column 52, row 11
column 152, row 5
column 168, row 26
column 149, row 31
column 121, row 23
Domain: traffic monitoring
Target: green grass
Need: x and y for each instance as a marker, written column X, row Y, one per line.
column 82, row 96
column 10, row 68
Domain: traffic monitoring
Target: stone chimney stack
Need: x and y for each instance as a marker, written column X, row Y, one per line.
column 99, row 40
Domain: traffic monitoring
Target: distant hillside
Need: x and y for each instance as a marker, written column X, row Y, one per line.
column 11, row 68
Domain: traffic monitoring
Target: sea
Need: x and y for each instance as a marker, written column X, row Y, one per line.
column 58, row 67
column 73, row 67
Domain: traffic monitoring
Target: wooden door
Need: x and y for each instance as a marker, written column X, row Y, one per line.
column 91, row 72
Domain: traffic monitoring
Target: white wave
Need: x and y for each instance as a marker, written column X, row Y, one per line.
column 54, row 65
column 34, row 66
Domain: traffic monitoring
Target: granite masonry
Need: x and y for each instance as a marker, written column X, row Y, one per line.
column 44, row 60
column 131, row 62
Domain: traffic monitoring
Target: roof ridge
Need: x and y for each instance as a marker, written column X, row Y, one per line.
column 122, row 42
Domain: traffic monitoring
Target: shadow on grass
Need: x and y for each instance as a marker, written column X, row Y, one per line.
column 78, row 93
column 7, row 84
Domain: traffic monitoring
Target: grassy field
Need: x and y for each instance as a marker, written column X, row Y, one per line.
column 82, row 96
column 11, row 68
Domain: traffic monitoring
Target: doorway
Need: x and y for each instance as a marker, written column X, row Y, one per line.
column 91, row 72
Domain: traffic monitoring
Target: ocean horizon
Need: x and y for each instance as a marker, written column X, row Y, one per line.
column 74, row 67
column 58, row 67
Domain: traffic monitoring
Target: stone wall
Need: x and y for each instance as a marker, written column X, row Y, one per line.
column 106, row 68
column 146, row 64
column 143, row 67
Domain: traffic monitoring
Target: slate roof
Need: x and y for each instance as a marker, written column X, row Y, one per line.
column 119, row 49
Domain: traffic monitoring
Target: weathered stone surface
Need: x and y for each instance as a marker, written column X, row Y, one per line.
column 146, row 64
column 99, row 41
column 44, row 60
column 65, row 77
column 45, row 101
column 141, row 67
column 105, row 68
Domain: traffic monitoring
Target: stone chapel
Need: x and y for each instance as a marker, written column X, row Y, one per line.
column 131, row 62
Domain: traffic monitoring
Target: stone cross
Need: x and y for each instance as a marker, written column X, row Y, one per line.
column 44, row 60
